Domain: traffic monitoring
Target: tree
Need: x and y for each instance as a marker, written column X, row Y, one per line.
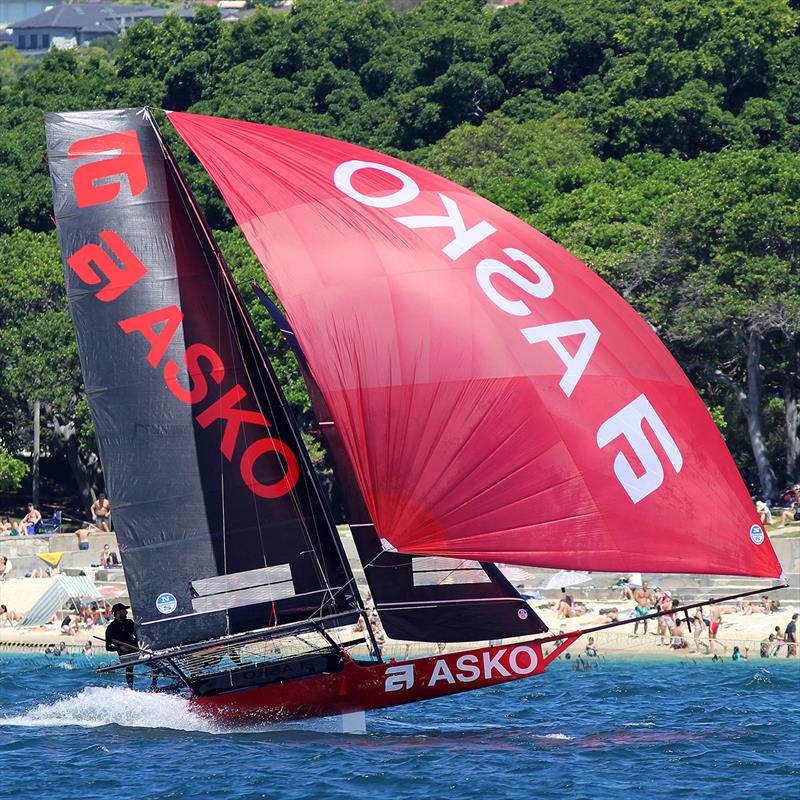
column 12, row 471
column 40, row 358
column 733, row 236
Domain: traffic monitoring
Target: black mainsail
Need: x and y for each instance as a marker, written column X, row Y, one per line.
column 216, row 507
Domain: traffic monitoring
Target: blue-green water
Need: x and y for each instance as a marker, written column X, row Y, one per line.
column 655, row 729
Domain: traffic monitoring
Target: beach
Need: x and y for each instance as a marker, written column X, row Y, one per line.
column 746, row 631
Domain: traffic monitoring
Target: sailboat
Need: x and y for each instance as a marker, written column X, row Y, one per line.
column 484, row 396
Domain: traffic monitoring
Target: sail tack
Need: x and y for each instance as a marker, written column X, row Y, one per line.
column 498, row 401
column 215, row 508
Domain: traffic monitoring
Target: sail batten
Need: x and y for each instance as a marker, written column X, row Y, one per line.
column 497, row 400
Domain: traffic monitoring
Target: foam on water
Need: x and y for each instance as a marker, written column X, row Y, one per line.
column 96, row 706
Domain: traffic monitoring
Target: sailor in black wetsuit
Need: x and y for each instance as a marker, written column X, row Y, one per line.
column 121, row 637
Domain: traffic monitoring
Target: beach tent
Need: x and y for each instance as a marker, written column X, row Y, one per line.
column 61, row 590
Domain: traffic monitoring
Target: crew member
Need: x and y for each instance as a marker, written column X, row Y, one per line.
column 121, row 637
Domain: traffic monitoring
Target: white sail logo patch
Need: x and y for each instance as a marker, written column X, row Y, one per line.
column 757, row 534
column 166, row 603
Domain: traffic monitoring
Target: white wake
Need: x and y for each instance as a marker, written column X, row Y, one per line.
column 113, row 705
column 96, row 706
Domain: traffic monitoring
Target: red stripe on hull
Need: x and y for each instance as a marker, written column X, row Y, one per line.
column 363, row 687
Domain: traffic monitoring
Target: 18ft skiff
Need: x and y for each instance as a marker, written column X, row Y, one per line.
column 485, row 397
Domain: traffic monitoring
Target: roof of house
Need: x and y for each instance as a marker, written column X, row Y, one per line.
column 86, row 17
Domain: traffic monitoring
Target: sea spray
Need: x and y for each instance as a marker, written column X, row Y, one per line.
column 96, row 706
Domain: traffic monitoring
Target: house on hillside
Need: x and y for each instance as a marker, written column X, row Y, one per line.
column 68, row 26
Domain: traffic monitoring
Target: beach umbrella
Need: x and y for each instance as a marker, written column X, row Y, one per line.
column 515, row 574
column 112, row 592
column 566, row 578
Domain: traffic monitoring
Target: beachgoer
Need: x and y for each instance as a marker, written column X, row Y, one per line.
column 644, row 603
column 737, row 654
column 591, row 649
column 121, row 637
column 606, row 615
column 108, row 558
column 713, row 628
column 29, row 524
column 8, row 618
column 5, row 567
column 83, row 536
column 778, row 642
column 766, row 646
column 764, row 514
column 564, row 605
column 698, row 627
column 69, row 625
column 666, row 623
column 790, row 635
column 6, row 527
column 679, row 636
column 87, row 649
column 101, row 513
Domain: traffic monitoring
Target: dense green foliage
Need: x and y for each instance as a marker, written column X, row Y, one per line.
column 656, row 139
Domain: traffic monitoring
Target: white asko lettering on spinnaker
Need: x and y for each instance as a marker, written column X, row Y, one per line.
column 625, row 423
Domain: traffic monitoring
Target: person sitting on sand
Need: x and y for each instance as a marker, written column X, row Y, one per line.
column 6, row 527
column 5, row 567
column 679, row 636
column 108, row 558
column 69, row 626
column 564, row 605
column 764, row 514
column 8, row 618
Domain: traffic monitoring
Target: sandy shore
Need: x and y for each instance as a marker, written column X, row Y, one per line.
column 746, row 631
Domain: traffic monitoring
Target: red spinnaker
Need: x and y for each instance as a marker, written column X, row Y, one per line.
column 498, row 400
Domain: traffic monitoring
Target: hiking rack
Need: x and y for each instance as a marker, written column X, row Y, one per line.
column 270, row 652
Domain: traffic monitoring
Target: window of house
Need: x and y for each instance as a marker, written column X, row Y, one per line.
column 46, row 41
column 34, row 41
column 21, row 42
